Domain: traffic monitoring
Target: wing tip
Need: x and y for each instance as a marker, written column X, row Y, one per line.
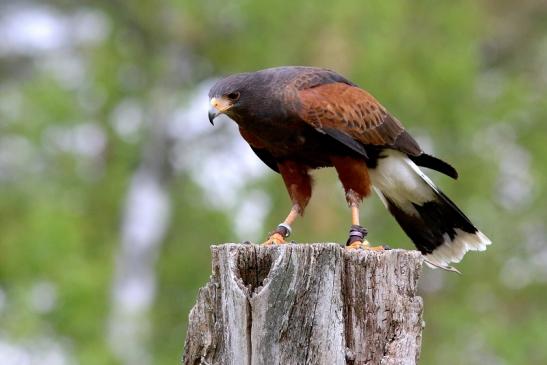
column 434, row 163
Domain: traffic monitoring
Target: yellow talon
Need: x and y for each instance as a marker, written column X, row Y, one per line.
column 358, row 244
column 275, row 239
column 364, row 245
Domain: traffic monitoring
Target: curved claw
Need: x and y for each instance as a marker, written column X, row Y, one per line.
column 275, row 239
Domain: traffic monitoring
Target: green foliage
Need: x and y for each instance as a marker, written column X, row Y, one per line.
column 471, row 90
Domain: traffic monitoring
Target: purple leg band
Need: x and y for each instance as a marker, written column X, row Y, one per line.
column 356, row 233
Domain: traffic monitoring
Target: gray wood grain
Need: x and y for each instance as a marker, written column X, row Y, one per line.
column 307, row 304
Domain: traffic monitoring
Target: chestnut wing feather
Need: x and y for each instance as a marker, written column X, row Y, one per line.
column 355, row 113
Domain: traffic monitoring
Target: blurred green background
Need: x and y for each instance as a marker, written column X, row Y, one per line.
column 113, row 184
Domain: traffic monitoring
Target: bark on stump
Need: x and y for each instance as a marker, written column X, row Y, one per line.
column 307, row 304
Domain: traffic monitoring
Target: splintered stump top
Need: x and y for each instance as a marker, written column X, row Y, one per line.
column 307, row 304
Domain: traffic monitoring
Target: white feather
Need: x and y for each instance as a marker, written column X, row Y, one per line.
column 454, row 250
column 397, row 177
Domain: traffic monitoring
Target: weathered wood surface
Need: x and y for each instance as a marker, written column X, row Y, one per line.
column 307, row 304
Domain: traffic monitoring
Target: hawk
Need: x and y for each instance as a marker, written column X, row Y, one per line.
column 297, row 119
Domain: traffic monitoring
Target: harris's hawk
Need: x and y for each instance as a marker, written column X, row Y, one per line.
column 297, row 119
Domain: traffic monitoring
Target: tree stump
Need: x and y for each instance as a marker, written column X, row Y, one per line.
column 307, row 304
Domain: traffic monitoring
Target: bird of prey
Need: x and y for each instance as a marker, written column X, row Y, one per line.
column 297, row 119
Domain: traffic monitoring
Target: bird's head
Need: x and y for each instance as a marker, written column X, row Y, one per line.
column 250, row 97
column 230, row 96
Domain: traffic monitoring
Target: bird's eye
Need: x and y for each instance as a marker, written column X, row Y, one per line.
column 233, row 96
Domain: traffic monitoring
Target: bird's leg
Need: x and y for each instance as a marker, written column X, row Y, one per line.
column 357, row 233
column 353, row 174
column 299, row 186
column 284, row 229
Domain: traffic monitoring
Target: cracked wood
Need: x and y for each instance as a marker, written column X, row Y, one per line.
column 307, row 304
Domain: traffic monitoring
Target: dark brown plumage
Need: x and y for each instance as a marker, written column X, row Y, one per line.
column 297, row 119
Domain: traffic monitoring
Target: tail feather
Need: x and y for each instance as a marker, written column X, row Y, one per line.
column 438, row 228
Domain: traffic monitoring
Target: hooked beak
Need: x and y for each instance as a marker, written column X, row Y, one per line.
column 217, row 107
column 212, row 115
